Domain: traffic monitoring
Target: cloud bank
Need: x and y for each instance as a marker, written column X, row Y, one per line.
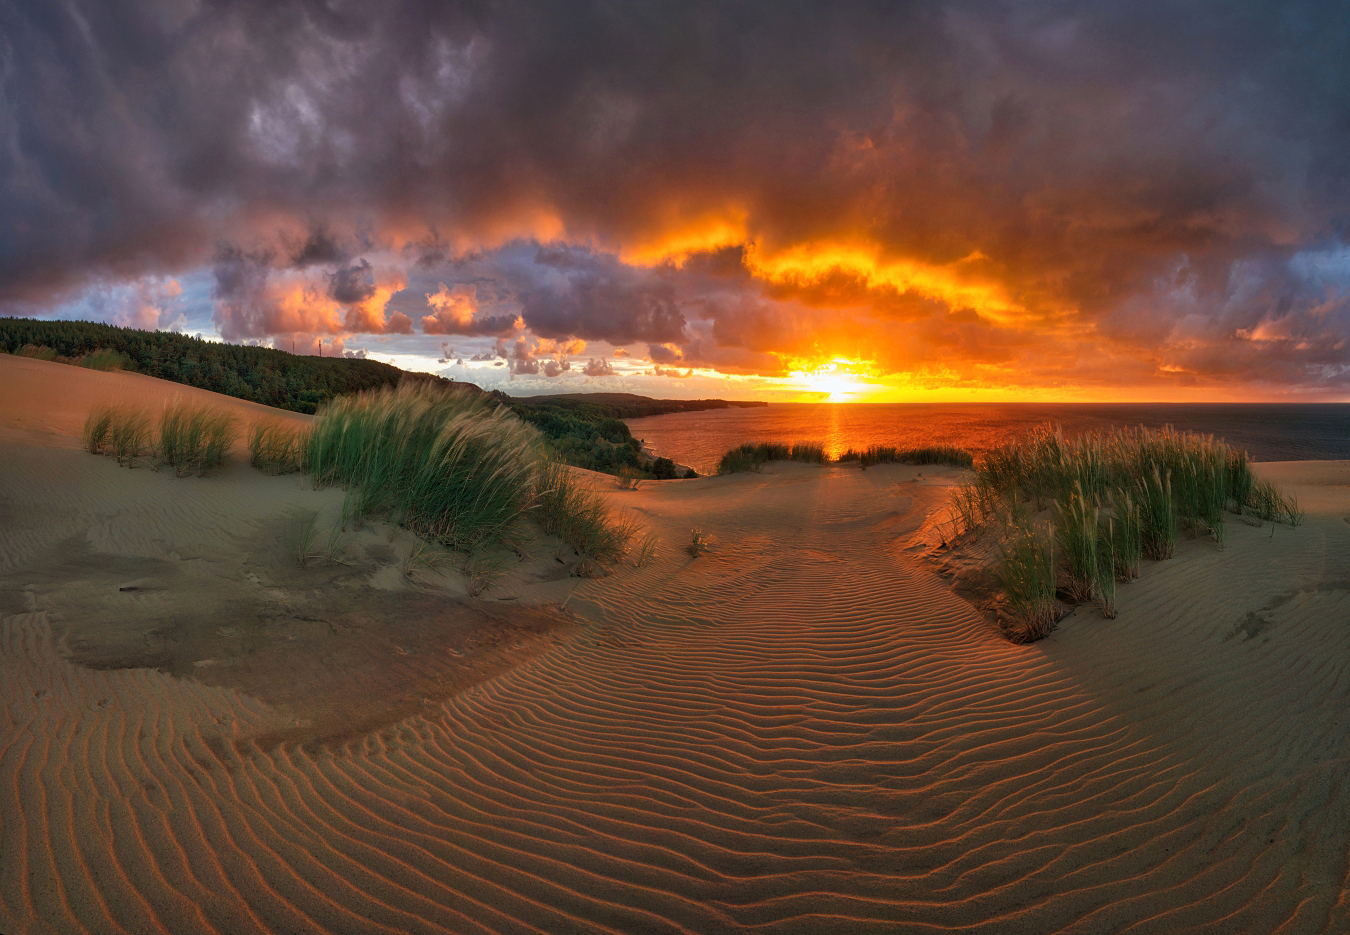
column 1144, row 196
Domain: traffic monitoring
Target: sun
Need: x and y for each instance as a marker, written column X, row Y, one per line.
column 839, row 380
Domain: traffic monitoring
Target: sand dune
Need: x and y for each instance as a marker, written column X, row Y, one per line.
column 803, row 730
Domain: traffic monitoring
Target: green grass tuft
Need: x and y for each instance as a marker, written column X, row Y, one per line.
column 454, row 466
column 752, row 455
column 129, row 436
column 276, row 447
column 567, row 508
column 195, row 437
column 1026, row 572
column 935, row 454
column 1120, row 496
column 104, row 359
column 97, row 429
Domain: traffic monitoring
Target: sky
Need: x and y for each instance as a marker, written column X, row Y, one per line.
column 767, row 200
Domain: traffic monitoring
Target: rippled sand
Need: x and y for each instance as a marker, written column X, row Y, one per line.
column 803, row 730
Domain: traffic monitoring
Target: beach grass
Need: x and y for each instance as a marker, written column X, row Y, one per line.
column 1118, row 497
column 129, row 436
column 454, row 466
column 119, row 431
column 37, row 352
column 567, row 508
column 104, row 358
column 752, row 455
column 275, row 447
column 1077, row 537
column 646, row 550
column 699, row 542
column 1026, row 572
column 97, row 428
column 195, row 437
column 628, row 478
column 933, row 454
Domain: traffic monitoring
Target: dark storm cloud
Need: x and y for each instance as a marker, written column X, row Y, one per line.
column 1070, row 158
column 351, row 284
column 600, row 298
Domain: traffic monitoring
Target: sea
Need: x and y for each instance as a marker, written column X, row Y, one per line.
column 1267, row 431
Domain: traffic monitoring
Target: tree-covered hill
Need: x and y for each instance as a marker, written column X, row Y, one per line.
column 259, row 374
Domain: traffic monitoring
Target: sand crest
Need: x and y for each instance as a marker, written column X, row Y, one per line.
column 803, row 730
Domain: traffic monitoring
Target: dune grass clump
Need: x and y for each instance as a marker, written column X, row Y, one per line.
column 1026, row 572
column 567, row 508
column 37, row 352
column 628, row 478
column 751, row 455
column 1119, row 497
column 98, row 428
column 119, row 431
column 129, row 436
column 195, row 437
column 275, row 447
column 1158, row 515
column 1077, row 537
column 933, row 454
column 105, row 358
column 1125, row 536
column 455, row 467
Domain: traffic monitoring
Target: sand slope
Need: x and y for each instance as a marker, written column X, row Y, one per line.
column 801, row 731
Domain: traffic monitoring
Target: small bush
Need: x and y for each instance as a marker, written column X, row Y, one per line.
column 699, row 541
column 275, row 447
column 664, row 469
column 195, row 437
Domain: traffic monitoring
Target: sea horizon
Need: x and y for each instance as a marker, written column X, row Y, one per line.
column 1267, row 431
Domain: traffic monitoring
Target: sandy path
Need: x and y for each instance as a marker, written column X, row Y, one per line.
column 802, row 731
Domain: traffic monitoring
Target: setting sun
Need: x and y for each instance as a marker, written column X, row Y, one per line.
column 838, row 379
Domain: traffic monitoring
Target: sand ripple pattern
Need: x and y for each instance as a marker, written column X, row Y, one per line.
column 814, row 737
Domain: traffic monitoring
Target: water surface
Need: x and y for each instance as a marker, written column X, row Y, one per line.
column 1268, row 431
